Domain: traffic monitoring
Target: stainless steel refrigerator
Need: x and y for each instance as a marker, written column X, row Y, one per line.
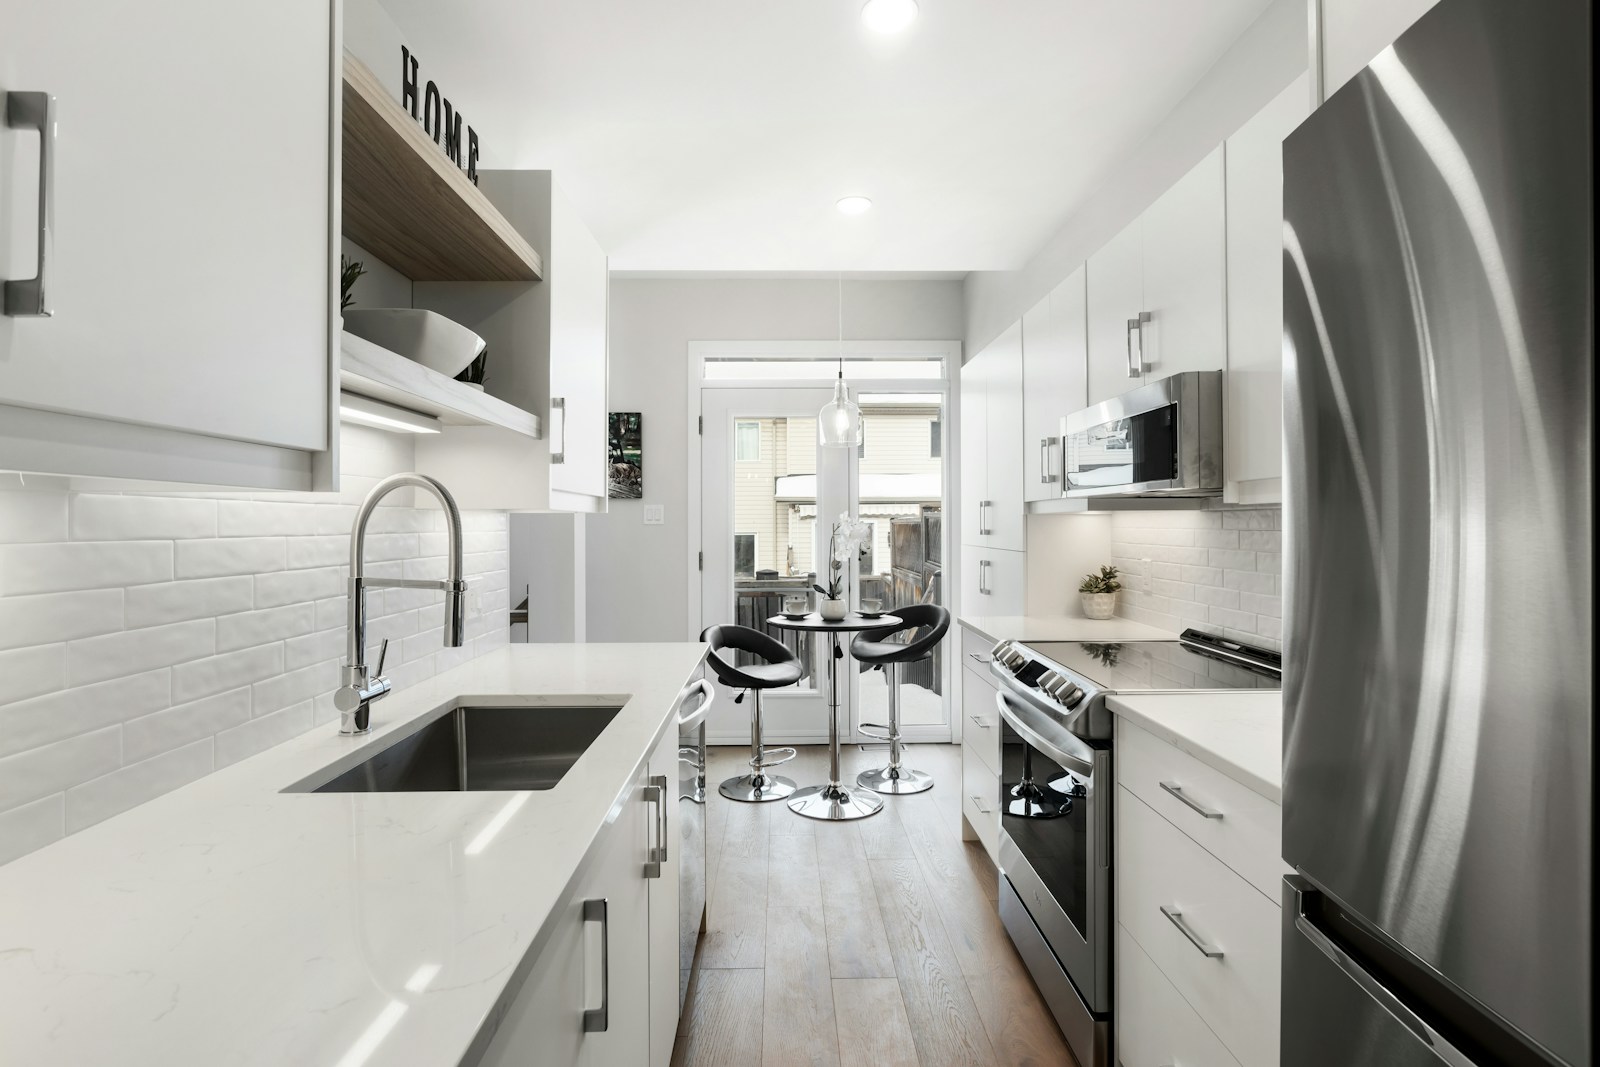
column 1439, row 724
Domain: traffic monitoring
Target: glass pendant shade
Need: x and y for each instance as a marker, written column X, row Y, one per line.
column 839, row 421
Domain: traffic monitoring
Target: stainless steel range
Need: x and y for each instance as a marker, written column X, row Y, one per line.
column 1055, row 801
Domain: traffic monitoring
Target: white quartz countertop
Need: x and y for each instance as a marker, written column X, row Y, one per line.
column 1240, row 734
column 228, row 922
column 1027, row 628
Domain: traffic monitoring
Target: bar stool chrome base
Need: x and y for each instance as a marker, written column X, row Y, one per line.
column 834, row 803
column 895, row 780
column 757, row 789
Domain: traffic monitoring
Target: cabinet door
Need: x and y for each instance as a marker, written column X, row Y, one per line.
column 1003, row 441
column 545, row 1024
column 1253, row 415
column 1185, row 266
column 578, row 308
column 191, row 263
column 1007, row 582
column 1040, row 366
column 1054, row 381
column 974, row 450
column 665, row 965
column 1115, row 295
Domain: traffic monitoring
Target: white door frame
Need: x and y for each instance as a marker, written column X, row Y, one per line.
column 949, row 355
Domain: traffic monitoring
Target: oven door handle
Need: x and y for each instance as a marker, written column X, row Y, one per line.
column 1013, row 719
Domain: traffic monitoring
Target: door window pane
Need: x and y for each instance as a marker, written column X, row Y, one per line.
column 935, row 439
column 747, row 442
column 744, row 555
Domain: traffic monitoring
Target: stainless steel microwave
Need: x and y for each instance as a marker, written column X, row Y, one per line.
column 1161, row 439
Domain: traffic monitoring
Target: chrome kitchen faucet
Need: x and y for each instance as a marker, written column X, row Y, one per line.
column 354, row 698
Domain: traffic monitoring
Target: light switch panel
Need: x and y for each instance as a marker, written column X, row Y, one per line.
column 655, row 514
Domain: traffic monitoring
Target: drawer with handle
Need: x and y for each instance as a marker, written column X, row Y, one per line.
column 975, row 650
column 980, row 791
column 1231, row 821
column 1213, row 934
column 1156, row 1027
column 980, row 727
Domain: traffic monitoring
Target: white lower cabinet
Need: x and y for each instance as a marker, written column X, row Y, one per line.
column 591, row 998
column 665, row 943
column 1156, row 1027
column 1199, row 955
column 980, row 759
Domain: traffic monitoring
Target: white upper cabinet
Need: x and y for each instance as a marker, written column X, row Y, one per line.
column 1054, row 380
column 547, row 355
column 1354, row 31
column 1254, row 399
column 1156, row 290
column 974, row 450
column 190, row 260
column 991, row 444
column 1185, row 267
column 1116, row 295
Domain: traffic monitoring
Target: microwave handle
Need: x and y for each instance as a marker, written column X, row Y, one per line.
column 1136, row 364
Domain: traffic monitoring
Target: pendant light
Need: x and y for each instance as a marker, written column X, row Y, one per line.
column 839, row 422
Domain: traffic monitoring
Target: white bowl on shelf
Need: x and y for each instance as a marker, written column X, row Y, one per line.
column 425, row 337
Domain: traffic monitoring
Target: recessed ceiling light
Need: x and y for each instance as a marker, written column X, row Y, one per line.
column 889, row 16
column 854, row 205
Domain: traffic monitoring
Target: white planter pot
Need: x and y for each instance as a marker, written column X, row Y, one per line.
column 1098, row 605
column 834, row 610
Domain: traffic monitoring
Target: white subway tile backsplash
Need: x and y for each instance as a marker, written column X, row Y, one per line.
column 28, row 672
column 190, row 681
column 92, row 517
column 50, row 617
column 54, row 568
column 1215, row 570
column 250, row 628
column 96, row 659
column 165, row 730
column 29, row 516
column 70, row 712
column 147, row 638
column 55, row 768
column 292, row 587
column 260, row 734
column 229, row 555
column 32, row 826
column 99, row 799
column 152, row 605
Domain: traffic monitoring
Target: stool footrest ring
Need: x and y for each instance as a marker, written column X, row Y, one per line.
column 773, row 757
column 875, row 730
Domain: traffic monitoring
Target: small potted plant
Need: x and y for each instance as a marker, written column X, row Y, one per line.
column 844, row 543
column 1098, row 593
column 350, row 271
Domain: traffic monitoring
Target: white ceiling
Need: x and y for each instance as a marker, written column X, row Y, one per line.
column 715, row 135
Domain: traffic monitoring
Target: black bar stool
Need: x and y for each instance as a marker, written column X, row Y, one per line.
column 921, row 628
column 780, row 669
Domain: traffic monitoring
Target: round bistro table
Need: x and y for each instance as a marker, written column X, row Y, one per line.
column 833, row 801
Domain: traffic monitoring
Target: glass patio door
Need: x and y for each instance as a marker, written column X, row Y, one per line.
column 769, row 497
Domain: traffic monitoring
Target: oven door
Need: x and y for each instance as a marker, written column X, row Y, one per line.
column 1055, row 841
column 1162, row 439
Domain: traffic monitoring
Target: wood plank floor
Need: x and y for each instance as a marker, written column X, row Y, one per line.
column 873, row 942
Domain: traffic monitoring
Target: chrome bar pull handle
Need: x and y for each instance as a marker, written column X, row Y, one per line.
column 656, row 793
column 1175, row 917
column 1136, row 364
column 558, row 406
column 28, row 297
column 978, row 803
column 1047, row 473
column 1177, row 790
column 982, row 723
column 598, row 1020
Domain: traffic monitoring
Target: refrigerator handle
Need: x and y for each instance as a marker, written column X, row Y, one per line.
column 1370, row 983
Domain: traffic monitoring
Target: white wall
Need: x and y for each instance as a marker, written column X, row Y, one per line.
column 1270, row 55
column 637, row 573
column 148, row 639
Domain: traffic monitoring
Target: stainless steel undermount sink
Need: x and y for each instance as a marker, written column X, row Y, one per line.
column 474, row 748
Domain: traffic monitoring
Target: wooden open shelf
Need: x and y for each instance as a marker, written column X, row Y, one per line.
column 410, row 206
column 379, row 374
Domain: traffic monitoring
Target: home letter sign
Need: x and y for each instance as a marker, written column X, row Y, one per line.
column 439, row 119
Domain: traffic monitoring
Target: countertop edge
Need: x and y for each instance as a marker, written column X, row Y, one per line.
column 1205, row 754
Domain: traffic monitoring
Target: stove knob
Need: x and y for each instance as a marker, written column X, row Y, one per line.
column 1071, row 696
column 1053, row 683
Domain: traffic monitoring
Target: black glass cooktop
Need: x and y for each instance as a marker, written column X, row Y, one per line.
column 1131, row 666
